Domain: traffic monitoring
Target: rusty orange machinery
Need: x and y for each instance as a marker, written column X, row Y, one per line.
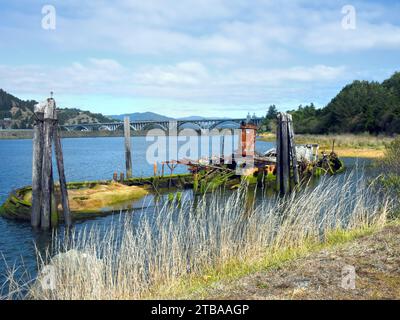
column 248, row 139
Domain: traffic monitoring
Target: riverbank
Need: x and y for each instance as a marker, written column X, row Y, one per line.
column 346, row 145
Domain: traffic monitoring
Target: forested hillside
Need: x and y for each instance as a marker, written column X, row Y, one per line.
column 359, row 107
column 21, row 113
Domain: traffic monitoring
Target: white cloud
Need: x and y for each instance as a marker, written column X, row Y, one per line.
column 332, row 38
column 189, row 80
column 229, row 51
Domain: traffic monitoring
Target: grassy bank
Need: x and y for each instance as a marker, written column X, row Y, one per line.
column 183, row 249
column 346, row 145
column 317, row 273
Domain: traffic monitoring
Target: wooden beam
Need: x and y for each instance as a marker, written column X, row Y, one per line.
column 37, row 169
column 46, row 173
column 285, row 156
column 128, row 155
column 292, row 147
column 61, row 175
column 278, row 151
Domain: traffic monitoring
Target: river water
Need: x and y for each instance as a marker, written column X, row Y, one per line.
column 85, row 159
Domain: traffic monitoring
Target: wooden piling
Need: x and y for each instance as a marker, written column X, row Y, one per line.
column 285, row 157
column 46, row 173
column 292, row 147
column 286, row 153
column 115, row 176
column 121, row 177
column 37, row 169
column 63, row 181
column 278, row 151
column 128, row 155
column 223, row 148
column 44, row 206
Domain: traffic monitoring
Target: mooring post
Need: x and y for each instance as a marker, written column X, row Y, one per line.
column 155, row 170
column 37, row 166
column 44, row 207
column 223, row 148
column 61, row 175
column 49, row 120
column 278, row 150
column 292, row 147
column 128, row 155
column 283, row 154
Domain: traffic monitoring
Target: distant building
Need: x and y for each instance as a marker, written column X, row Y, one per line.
column 5, row 123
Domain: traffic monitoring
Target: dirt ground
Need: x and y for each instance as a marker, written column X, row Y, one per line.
column 328, row 274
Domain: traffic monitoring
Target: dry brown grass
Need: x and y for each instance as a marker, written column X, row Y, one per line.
column 346, row 145
column 180, row 249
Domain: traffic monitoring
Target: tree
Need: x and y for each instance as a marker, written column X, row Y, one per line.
column 272, row 112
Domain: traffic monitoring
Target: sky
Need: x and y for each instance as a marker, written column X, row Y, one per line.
column 180, row 58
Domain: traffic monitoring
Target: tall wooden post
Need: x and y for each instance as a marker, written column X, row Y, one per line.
column 292, row 147
column 278, row 151
column 128, row 155
column 286, row 153
column 43, row 203
column 37, row 167
column 61, row 175
column 46, row 171
column 282, row 155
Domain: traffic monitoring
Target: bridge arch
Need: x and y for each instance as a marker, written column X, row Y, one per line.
column 155, row 125
column 226, row 124
column 104, row 128
column 81, row 128
column 190, row 125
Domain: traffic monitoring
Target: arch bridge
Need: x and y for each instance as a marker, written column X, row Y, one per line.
column 204, row 124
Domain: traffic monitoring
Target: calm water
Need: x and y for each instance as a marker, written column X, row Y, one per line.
column 85, row 159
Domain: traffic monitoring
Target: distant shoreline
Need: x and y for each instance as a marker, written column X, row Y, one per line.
column 19, row 134
column 28, row 134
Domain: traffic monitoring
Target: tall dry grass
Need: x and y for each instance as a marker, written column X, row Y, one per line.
column 356, row 141
column 128, row 261
column 344, row 140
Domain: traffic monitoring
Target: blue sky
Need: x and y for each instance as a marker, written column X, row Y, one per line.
column 203, row 57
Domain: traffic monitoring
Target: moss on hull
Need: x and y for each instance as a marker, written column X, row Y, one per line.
column 94, row 198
